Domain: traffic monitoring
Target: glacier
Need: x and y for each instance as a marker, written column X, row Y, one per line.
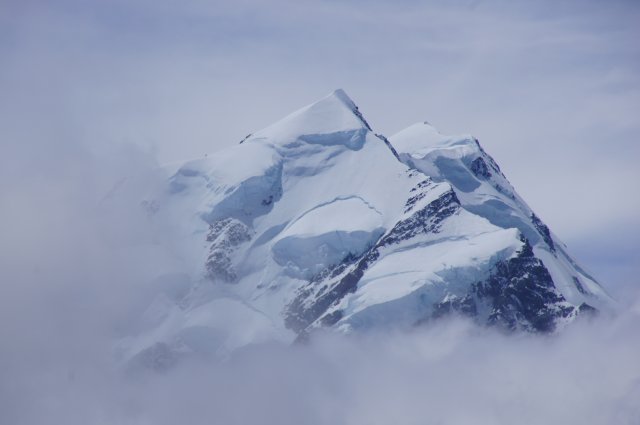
column 317, row 222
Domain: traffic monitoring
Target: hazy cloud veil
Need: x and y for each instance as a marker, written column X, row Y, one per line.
column 95, row 95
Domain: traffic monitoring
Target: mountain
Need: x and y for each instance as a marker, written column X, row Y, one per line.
column 318, row 222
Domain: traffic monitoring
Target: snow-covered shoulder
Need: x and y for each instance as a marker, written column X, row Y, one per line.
column 484, row 190
column 421, row 138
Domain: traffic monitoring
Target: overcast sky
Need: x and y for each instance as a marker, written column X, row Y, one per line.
column 551, row 88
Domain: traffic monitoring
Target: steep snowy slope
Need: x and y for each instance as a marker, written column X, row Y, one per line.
column 484, row 190
column 316, row 221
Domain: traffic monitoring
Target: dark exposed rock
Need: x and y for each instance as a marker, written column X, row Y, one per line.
column 521, row 294
column 492, row 163
column 245, row 138
column 426, row 220
column 417, row 193
column 544, row 231
column 389, row 145
column 228, row 232
column 480, row 169
column 357, row 113
column 219, row 266
column 225, row 236
column 304, row 309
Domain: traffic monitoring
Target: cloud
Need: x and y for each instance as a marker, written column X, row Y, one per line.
column 452, row 374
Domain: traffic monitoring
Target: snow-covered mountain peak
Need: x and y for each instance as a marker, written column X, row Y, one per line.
column 334, row 119
column 344, row 98
column 316, row 221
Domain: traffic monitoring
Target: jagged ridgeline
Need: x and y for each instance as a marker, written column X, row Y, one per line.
column 316, row 221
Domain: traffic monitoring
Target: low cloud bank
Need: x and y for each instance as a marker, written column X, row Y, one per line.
column 454, row 373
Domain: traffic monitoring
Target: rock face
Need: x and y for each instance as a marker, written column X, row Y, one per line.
column 521, row 294
column 226, row 236
column 316, row 221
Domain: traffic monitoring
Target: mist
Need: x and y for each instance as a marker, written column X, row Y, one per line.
column 96, row 97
